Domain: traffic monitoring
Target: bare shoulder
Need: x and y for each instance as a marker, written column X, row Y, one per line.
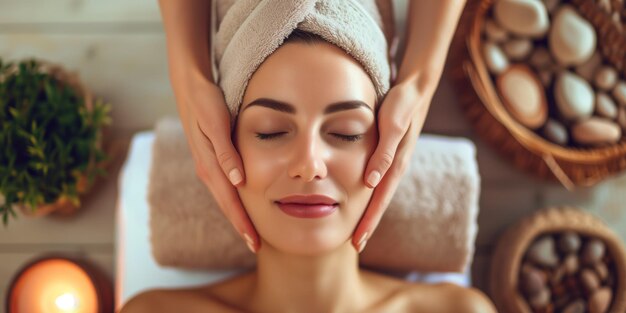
column 171, row 300
column 222, row 296
column 145, row 301
column 448, row 297
column 470, row 300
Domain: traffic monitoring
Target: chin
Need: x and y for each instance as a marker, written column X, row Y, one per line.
column 306, row 242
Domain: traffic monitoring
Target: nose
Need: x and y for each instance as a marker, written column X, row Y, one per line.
column 308, row 159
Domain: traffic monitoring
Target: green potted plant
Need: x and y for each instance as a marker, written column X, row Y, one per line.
column 50, row 139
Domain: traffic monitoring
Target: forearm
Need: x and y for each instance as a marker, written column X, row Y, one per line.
column 187, row 24
column 431, row 25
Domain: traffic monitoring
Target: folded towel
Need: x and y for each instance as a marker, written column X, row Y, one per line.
column 250, row 30
column 430, row 224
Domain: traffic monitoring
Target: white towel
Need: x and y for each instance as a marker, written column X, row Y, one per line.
column 430, row 224
column 250, row 30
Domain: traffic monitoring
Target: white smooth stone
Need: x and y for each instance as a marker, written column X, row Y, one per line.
column 619, row 92
column 523, row 96
column 596, row 131
column 605, row 106
column 523, row 17
column 574, row 96
column 606, row 78
column 494, row 32
column 496, row 60
column 572, row 39
column 518, row 49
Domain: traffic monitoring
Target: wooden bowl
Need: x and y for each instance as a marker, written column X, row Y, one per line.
column 512, row 246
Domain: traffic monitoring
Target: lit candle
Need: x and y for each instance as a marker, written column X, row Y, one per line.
column 53, row 285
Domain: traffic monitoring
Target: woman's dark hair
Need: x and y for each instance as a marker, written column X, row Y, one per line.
column 298, row 35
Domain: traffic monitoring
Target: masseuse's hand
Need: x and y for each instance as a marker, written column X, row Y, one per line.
column 400, row 120
column 206, row 122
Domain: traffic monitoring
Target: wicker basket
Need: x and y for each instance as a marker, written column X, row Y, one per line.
column 511, row 247
column 572, row 166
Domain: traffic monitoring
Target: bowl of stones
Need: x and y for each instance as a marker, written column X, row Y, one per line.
column 552, row 75
column 559, row 259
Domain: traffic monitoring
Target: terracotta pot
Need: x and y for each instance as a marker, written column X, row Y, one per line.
column 62, row 206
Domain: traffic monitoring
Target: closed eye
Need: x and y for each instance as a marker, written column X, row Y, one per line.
column 349, row 138
column 268, row 136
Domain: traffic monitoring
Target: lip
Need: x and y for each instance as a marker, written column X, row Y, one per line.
column 308, row 199
column 308, row 206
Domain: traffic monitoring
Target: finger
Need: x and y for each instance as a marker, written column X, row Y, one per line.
column 378, row 204
column 391, row 132
column 223, row 192
column 384, row 191
column 227, row 156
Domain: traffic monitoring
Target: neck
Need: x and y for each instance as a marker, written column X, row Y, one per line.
column 296, row 283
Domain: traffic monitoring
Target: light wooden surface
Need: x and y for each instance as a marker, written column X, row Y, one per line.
column 118, row 47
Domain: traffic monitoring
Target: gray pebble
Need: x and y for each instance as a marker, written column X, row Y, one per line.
column 577, row 306
column 551, row 5
column 546, row 77
column 570, row 264
column 532, row 280
column 606, row 77
column 541, row 300
column 605, row 106
column 569, row 242
column 619, row 92
column 600, row 300
column 557, row 275
column 590, row 280
column 593, row 251
column 601, row 270
column 518, row 48
column 494, row 31
column 555, row 132
column 541, row 58
column 543, row 252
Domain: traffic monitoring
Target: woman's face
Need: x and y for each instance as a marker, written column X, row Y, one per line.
column 306, row 145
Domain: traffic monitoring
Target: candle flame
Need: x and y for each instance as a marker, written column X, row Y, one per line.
column 67, row 302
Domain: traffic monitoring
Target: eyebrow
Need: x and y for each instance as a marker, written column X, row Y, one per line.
column 289, row 108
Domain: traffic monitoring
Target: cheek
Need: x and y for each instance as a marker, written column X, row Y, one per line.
column 349, row 164
column 348, row 168
column 260, row 165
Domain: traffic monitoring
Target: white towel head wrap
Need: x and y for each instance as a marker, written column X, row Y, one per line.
column 252, row 29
